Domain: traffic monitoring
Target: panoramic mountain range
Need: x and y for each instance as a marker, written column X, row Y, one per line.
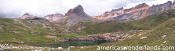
column 77, row 14
column 78, row 31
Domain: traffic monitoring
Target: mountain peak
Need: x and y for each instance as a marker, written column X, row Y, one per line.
column 77, row 11
column 78, row 7
column 169, row 2
column 26, row 16
column 76, row 15
column 141, row 5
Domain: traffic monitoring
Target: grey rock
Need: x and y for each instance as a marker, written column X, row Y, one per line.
column 27, row 16
column 56, row 18
column 158, row 9
column 76, row 15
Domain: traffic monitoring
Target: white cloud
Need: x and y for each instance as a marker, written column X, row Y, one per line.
column 16, row 8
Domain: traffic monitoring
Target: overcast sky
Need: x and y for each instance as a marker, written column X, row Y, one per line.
column 16, row 8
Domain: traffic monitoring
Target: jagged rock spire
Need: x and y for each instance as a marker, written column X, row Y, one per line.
column 77, row 11
column 76, row 15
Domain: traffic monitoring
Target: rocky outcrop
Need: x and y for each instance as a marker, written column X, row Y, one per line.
column 27, row 16
column 101, row 37
column 58, row 18
column 138, row 12
column 76, row 11
column 113, row 13
column 134, row 13
column 157, row 9
column 76, row 15
column 72, row 17
column 109, row 37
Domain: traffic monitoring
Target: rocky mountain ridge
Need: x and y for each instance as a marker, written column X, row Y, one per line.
column 72, row 17
column 38, row 31
column 77, row 14
column 138, row 12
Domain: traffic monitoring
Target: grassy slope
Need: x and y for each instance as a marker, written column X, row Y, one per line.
column 113, row 26
column 24, row 34
column 24, row 31
column 154, row 37
column 17, row 30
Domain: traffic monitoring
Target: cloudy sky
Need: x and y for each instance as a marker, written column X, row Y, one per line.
column 16, row 8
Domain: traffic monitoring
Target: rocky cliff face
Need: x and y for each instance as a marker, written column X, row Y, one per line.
column 76, row 11
column 76, row 15
column 157, row 9
column 138, row 12
column 134, row 13
column 72, row 17
column 113, row 13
